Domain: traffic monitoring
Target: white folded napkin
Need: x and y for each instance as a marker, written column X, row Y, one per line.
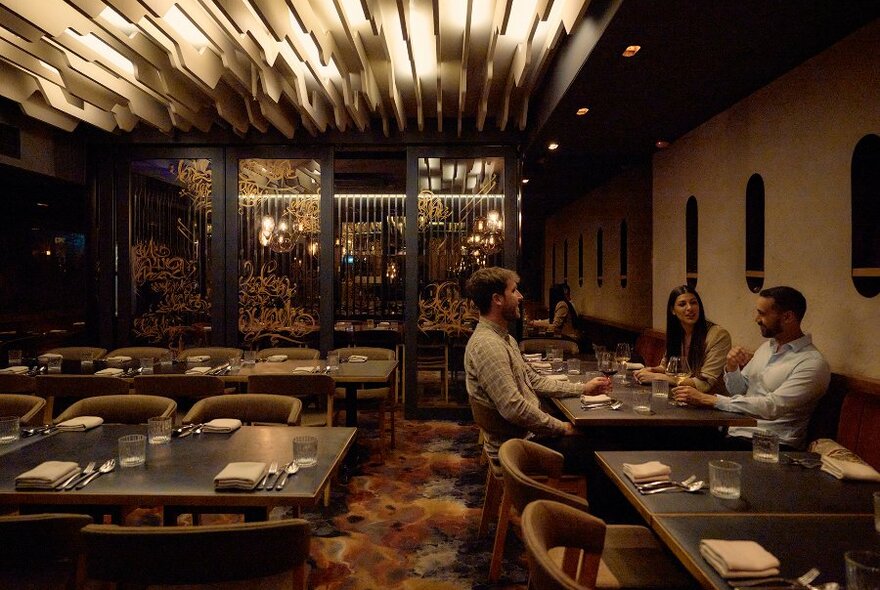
column 739, row 559
column 49, row 356
column 557, row 377
column 118, row 359
column 17, row 370
column 634, row 366
column 645, row 472
column 842, row 463
column 277, row 358
column 384, row 324
column 595, row 399
column 242, row 475
column 198, row 370
column 110, row 371
column 532, row 356
column 199, row 358
column 357, row 358
column 222, row 425
column 81, row 423
column 541, row 365
column 47, row 475
column 305, row 369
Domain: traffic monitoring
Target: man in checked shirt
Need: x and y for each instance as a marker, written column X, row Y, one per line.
column 497, row 375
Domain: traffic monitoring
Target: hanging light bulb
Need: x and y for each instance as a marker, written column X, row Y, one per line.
column 282, row 239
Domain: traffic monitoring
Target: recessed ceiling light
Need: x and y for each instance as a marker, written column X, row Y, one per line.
column 661, row 144
column 582, row 111
column 525, row 180
column 552, row 146
column 631, row 50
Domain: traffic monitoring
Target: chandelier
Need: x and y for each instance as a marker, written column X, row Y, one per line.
column 282, row 236
column 487, row 237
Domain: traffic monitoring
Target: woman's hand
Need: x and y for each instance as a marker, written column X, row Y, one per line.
column 651, row 374
column 597, row 385
column 692, row 396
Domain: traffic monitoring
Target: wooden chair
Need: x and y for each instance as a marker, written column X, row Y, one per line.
column 218, row 354
column 41, row 550
column 320, row 388
column 53, row 387
column 78, row 353
column 121, row 409
column 532, row 345
column 581, row 539
column 12, row 383
column 252, row 408
column 139, row 352
column 432, row 354
column 293, row 353
column 381, row 399
column 522, row 462
column 254, row 554
column 27, row 407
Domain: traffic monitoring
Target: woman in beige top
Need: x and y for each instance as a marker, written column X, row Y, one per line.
column 691, row 336
column 563, row 314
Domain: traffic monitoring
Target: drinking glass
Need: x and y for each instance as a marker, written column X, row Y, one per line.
column 765, row 447
column 642, row 400
column 574, row 366
column 167, row 359
column 622, row 354
column 333, row 360
column 605, row 364
column 725, row 479
column 14, row 357
column 54, row 364
column 235, row 364
column 862, row 570
column 677, row 368
column 9, row 429
column 87, row 364
column 146, row 365
column 305, row 450
column 132, row 450
column 159, row 430
column 250, row 358
column 660, row 388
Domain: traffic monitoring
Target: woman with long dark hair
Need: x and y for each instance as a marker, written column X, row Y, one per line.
column 563, row 314
column 689, row 335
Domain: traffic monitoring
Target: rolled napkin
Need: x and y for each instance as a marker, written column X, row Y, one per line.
column 49, row 356
column 532, row 356
column 199, row 358
column 595, row 399
column 110, row 372
column 357, row 358
column 17, row 369
column 305, row 369
column 645, row 472
column 739, row 559
column 222, row 425
column 118, row 359
column 198, row 370
column 842, row 463
column 634, row 366
column 277, row 358
column 242, row 475
column 541, row 365
column 81, row 423
column 557, row 377
column 47, row 475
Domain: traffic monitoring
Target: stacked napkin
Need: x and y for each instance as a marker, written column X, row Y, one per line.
column 541, row 365
column 242, row 475
column 81, row 423
column 645, row 472
column 842, row 463
column 532, row 356
column 110, row 372
column 47, row 475
column 17, row 369
column 198, row 370
column 357, row 358
column 118, row 359
column 595, row 399
column 277, row 358
column 222, row 425
column 199, row 358
column 305, row 369
column 739, row 559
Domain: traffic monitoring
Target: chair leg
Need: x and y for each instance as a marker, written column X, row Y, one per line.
column 494, row 489
column 381, row 427
column 500, row 538
column 393, row 410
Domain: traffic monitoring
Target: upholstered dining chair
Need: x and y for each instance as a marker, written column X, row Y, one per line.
column 218, row 354
column 185, row 389
column 522, row 462
column 249, row 554
column 313, row 389
column 139, row 352
column 293, row 353
column 549, row 526
column 79, row 353
column 532, row 345
column 380, row 399
column 11, row 383
column 121, row 409
column 73, row 387
column 252, row 408
column 41, row 550
column 28, row 408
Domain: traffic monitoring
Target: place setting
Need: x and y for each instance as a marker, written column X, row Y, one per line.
column 654, row 477
column 250, row 476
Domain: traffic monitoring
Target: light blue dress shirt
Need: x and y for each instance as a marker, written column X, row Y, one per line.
column 780, row 388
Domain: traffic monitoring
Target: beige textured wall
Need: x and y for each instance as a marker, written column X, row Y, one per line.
column 798, row 133
column 627, row 197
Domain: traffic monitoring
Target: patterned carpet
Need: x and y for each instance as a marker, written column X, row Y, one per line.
column 411, row 522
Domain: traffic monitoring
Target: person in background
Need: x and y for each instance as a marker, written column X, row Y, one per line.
column 691, row 336
column 498, row 377
column 781, row 383
column 563, row 314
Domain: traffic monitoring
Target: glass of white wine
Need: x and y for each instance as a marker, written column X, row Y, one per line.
column 677, row 368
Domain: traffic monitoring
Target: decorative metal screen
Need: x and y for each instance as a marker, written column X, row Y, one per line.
column 171, row 250
column 279, row 223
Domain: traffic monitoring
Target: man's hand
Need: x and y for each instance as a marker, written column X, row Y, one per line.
column 692, row 396
column 570, row 430
column 597, row 385
column 737, row 358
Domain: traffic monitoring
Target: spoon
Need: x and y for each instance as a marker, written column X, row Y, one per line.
column 289, row 470
column 693, row 487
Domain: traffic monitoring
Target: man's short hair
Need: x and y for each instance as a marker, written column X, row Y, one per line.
column 787, row 299
column 486, row 282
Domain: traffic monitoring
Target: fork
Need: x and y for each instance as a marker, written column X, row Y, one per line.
column 107, row 467
column 72, row 481
column 273, row 469
column 802, row 581
column 662, row 484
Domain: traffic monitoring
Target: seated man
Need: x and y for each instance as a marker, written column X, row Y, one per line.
column 496, row 374
column 781, row 383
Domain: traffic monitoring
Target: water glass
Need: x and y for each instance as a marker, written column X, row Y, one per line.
column 574, row 366
column 9, row 429
column 642, row 400
column 87, row 366
column 167, row 359
column 305, row 450
column 159, row 430
column 877, row 511
column 554, row 354
column 250, row 358
column 53, row 364
column 146, row 365
column 660, row 388
column 862, row 570
column 725, row 479
column 333, row 360
column 234, row 364
column 14, row 358
column 132, row 450
column 765, row 447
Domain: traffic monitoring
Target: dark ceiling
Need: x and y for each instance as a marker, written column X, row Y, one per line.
column 698, row 58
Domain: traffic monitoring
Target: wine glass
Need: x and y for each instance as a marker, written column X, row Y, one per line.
column 677, row 368
column 621, row 355
column 606, row 364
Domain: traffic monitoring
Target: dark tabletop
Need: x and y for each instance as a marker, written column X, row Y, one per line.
column 799, row 542
column 767, row 488
column 181, row 472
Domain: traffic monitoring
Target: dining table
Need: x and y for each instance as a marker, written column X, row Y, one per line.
column 178, row 473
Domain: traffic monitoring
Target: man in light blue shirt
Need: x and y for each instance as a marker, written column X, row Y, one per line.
column 781, row 383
